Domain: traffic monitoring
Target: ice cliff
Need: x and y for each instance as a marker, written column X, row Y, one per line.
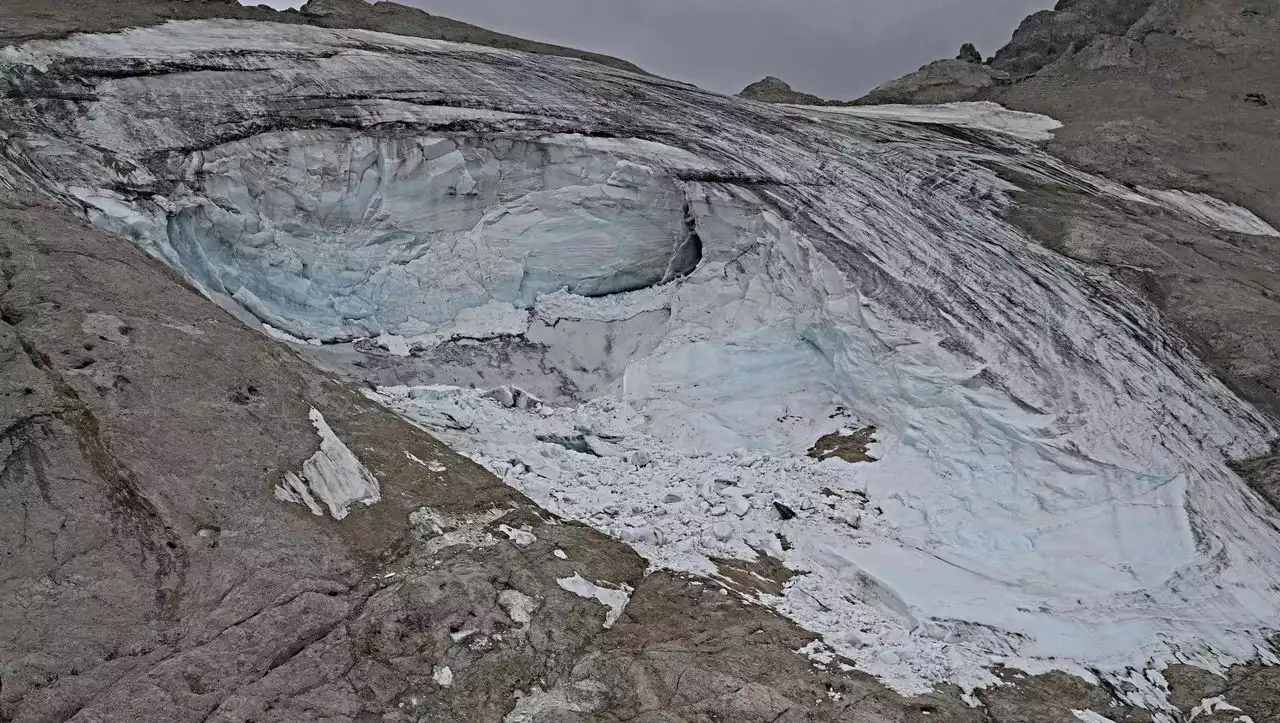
column 701, row 287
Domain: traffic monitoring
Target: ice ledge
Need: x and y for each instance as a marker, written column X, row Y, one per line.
column 332, row 478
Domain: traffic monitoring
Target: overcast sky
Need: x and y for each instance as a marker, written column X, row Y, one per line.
column 835, row 48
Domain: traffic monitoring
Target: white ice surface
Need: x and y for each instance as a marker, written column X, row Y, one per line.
column 725, row 282
column 613, row 598
column 332, row 477
column 982, row 115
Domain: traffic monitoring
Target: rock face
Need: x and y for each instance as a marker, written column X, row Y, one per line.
column 969, row 54
column 775, row 90
column 1071, row 26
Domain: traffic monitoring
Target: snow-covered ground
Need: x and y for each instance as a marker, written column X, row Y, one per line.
column 703, row 288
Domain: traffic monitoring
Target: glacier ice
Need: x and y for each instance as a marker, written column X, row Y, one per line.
column 717, row 284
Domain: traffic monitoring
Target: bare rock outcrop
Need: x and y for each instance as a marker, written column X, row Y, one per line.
column 1069, row 27
column 776, row 90
column 942, row 81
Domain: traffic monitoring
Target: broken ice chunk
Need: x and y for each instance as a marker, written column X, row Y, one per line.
column 332, row 477
column 615, row 599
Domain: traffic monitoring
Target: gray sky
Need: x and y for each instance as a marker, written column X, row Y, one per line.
column 835, row 48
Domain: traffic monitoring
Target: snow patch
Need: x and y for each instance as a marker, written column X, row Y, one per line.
column 333, row 477
column 443, row 676
column 615, row 599
column 1209, row 706
column 1089, row 716
column 521, row 538
column 433, row 466
column 519, row 607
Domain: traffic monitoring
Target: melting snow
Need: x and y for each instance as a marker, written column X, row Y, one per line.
column 519, row 606
column 443, row 676
column 980, row 115
column 1209, row 706
column 521, row 538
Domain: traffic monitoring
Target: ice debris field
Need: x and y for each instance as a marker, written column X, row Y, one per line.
column 644, row 305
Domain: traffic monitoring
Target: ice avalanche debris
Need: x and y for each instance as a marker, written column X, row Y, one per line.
column 613, row 598
column 331, row 478
column 688, row 292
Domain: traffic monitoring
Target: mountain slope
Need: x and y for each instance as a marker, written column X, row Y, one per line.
column 614, row 242
column 1174, row 95
column 22, row 20
column 646, row 307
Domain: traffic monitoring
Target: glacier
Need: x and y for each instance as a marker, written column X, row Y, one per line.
column 688, row 290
